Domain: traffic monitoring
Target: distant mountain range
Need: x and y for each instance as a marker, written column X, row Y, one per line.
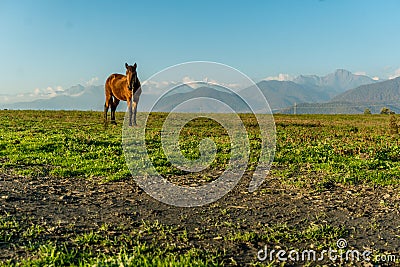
column 373, row 96
column 202, row 104
column 338, row 92
column 281, row 94
column 77, row 98
column 339, row 81
column 386, row 91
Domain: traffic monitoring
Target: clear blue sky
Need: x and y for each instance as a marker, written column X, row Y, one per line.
column 63, row 43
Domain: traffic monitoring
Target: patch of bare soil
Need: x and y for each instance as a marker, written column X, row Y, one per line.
column 369, row 214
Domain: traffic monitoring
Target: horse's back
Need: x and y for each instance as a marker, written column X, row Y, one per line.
column 115, row 86
column 114, row 81
column 114, row 77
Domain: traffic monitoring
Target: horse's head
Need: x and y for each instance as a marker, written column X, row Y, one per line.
column 131, row 76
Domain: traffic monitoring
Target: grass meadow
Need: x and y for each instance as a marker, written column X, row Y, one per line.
column 315, row 155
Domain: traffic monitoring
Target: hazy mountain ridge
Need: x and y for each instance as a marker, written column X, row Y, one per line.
column 386, row 91
column 304, row 90
column 78, row 98
column 75, row 90
column 169, row 102
column 373, row 96
column 75, row 98
column 339, row 81
column 280, row 94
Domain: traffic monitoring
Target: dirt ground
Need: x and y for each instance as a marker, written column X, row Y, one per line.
column 370, row 214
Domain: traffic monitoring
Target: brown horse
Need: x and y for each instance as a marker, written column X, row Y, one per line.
column 122, row 87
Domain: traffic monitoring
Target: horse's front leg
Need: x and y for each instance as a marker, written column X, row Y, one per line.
column 134, row 106
column 130, row 111
column 135, row 103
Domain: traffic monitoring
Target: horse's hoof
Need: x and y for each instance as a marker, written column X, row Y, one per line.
column 114, row 122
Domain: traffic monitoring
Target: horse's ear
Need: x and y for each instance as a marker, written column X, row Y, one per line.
column 134, row 65
column 126, row 65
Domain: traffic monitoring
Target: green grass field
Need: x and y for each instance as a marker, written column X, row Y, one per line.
column 341, row 148
column 314, row 153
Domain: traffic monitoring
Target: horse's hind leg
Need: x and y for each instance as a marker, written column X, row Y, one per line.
column 106, row 105
column 114, row 105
